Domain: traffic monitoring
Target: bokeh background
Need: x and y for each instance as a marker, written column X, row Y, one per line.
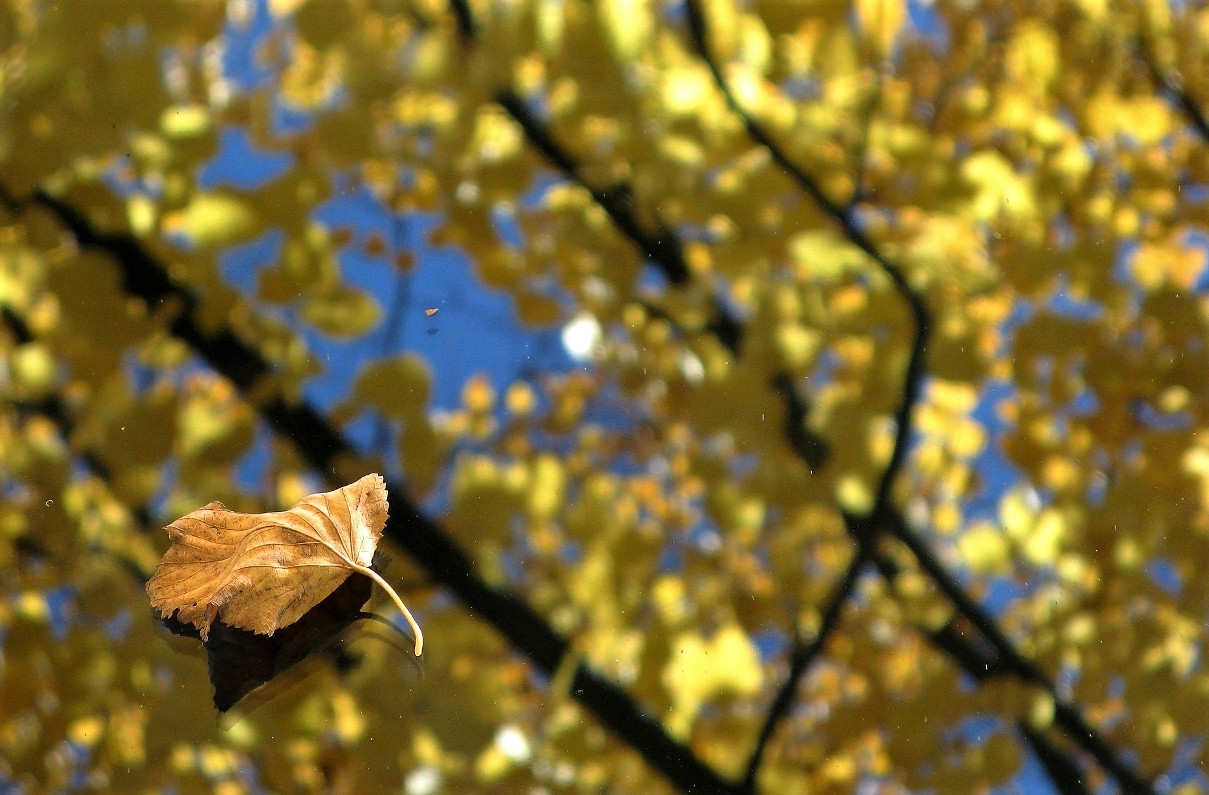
column 788, row 396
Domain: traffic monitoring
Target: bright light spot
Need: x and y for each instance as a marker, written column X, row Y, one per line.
column 710, row 543
column 467, row 192
column 424, row 780
column 582, row 336
column 239, row 13
column 564, row 774
column 512, row 743
column 597, row 289
column 691, row 367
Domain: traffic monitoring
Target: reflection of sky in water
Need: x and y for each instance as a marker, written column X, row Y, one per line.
column 476, row 331
column 240, row 165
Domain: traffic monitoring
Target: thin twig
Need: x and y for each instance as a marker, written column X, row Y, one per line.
column 1066, row 714
column 862, row 148
column 800, row 660
column 982, row 664
column 976, row 659
column 1173, row 87
column 913, row 379
column 664, row 250
column 884, row 516
column 467, row 28
column 660, row 246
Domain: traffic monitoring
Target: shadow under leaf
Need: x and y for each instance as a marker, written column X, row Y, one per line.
column 240, row 661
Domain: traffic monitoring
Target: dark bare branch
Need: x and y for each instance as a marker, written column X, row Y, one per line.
column 851, row 229
column 884, row 517
column 1063, row 773
column 1066, row 714
column 425, row 541
column 465, row 17
column 1172, row 86
column 660, row 245
column 801, row 658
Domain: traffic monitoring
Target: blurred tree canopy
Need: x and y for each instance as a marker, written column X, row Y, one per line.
column 879, row 457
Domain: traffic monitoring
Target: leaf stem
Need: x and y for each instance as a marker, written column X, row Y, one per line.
column 373, row 575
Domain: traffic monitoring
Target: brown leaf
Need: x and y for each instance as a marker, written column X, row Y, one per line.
column 263, row 571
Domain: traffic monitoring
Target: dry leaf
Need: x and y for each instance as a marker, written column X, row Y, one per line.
column 263, row 571
column 430, row 312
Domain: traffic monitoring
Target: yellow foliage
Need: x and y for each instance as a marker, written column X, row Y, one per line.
column 478, row 395
column 1168, row 263
column 685, row 90
column 985, row 550
column 341, row 311
column 211, row 220
column 998, row 189
column 1145, row 120
column 520, row 399
column 753, row 241
column 882, row 20
column 32, row 369
column 185, row 122
column 824, row 256
column 31, row 606
column 547, row 488
column 396, row 387
column 699, row 671
column 629, row 24
column 1033, row 56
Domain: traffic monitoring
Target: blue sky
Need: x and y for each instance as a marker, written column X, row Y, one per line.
column 475, row 330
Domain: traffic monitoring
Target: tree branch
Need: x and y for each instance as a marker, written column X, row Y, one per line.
column 1066, row 714
column 862, row 149
column 1173, row 88
column 465, row 18
column 800, row 660
column 809, row 446
column 846, row 221
column 1065, row 775
column 884, row 516
column 428, row 545
column 663, row 248
column 660, row 246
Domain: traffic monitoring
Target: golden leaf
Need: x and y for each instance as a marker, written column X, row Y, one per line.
column 882, row 20
column 263, row 571
column 341, row 311
column 212, row 220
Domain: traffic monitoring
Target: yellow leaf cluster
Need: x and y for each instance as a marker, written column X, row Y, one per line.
column 1037, row 182
column 700, row 670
